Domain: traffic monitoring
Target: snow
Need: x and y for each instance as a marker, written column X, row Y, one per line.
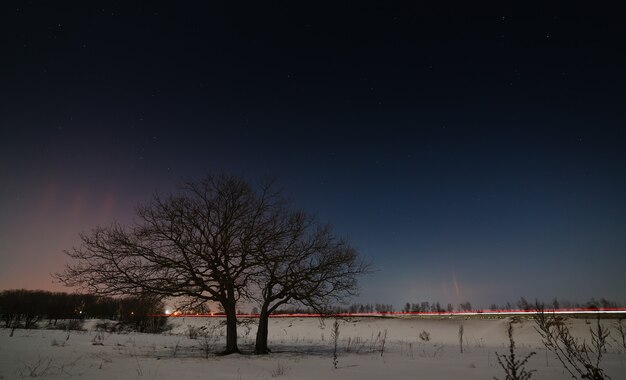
column 302, row 349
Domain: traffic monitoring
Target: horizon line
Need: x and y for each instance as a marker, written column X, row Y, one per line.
column 561, row 311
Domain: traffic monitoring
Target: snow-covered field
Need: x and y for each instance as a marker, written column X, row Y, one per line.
column 302, row 349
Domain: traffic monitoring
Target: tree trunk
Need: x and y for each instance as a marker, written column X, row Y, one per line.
column 231, row 329
column 260, row 348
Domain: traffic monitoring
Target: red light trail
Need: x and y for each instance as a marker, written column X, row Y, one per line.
column 485, row 312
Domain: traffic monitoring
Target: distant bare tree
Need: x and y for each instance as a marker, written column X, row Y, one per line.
column 196, row 245
column 301, row 262
column 467, row 306
column 523, row 304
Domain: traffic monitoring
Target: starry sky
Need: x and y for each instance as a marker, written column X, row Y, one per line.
column 471, row 154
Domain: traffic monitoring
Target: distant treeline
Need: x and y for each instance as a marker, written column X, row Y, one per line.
column 524, row 304
column 437, row 307
column 25, row 308
column 521, row 304
column 354, row 308
column 380, row 308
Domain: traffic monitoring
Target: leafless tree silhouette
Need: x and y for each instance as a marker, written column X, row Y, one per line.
column 197, row 244
column 220, row 240
column 580, row 359
column 513, row 367
column 299, row 261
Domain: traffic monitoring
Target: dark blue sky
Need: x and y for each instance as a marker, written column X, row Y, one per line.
column 473, row 154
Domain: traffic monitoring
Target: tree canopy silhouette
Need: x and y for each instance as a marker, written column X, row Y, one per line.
column 220, row 240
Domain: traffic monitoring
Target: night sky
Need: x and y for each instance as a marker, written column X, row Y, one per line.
column 471, row 154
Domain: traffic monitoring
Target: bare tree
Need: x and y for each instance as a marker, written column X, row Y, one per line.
column 461, row 331
column 195, row 245
column 301, row 262
column 513, row 367
column 334, row 333
column 467, row 306
column 580, row 359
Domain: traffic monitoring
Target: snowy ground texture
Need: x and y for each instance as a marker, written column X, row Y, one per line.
column 302, row 349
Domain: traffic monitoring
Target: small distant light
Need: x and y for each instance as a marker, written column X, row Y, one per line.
column 132, row 313
column 168, row 311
